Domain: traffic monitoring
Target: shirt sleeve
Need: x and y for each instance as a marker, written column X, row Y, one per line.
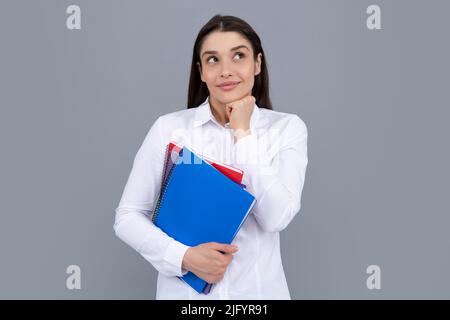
column 133, row 223
column 274, row 168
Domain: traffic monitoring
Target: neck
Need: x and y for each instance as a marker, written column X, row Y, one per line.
column 218, row 111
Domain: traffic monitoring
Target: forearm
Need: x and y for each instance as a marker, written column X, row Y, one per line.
column 163, row 252
column 274, row 172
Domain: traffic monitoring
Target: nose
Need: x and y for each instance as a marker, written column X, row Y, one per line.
column 225, row 72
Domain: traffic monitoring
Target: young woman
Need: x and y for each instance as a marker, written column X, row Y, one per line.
column 229, row 118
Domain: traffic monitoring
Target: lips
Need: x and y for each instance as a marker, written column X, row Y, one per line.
column 228, row 85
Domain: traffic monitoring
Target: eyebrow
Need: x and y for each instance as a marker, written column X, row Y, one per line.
column 232, row 49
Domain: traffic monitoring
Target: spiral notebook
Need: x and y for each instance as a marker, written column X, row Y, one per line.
column 200, row 204
column 173, row 149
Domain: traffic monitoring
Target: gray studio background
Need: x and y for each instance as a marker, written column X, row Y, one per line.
column 77, row 104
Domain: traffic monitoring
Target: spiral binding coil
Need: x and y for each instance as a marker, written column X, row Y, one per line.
column 163, row 190
column 162, row 178
column 166, row 157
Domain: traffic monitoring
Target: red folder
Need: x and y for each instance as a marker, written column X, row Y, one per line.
column 234, row 174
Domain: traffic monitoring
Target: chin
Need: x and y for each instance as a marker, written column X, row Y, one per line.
column 227, row 97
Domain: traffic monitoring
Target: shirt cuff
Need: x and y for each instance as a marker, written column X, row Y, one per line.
column 174, row 257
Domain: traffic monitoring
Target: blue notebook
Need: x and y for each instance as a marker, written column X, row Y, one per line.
column 199, row 204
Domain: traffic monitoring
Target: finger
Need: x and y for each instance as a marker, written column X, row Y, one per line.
column 230, row 105
column 223, row 247
column 227, row 258
column 249, row 99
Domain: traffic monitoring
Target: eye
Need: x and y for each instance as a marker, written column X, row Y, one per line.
column 209, row 59
column 240, row 54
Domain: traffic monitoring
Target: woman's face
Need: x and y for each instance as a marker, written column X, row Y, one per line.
column 225, row 57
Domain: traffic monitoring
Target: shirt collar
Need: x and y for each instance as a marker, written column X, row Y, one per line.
column 203, row 114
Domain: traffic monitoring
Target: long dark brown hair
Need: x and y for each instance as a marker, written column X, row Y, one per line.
column 198, row 91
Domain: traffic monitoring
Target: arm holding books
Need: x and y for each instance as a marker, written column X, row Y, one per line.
column 134, row 226
column 133, row 223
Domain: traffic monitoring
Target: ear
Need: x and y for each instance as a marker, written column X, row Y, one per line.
column 258, row 64
column 200, row 70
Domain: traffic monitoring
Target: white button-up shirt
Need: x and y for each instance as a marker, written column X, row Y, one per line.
column 274, row 160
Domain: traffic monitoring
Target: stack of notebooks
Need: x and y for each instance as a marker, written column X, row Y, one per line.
column 201, row 200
